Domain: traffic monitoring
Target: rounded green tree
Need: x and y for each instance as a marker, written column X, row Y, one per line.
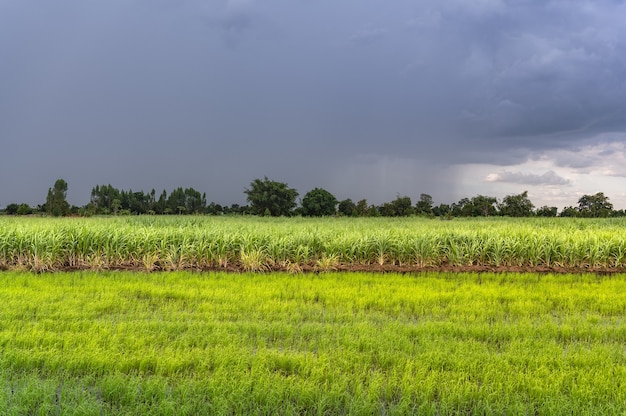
column 267, row 197
column 319, row 202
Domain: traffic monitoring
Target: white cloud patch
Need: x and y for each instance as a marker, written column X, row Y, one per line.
column 556, row 177
column 607, row 156
column 548, row 178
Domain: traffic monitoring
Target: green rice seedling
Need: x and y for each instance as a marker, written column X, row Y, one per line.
column 187, row 343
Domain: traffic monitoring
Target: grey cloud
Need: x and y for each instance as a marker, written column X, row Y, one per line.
column 426, row 19
column 232, row 25
column 367, row 36
column 169, row 92
column 556, row 78
column 242, row 21
column 604, row 153
column 548, row 178
column 607, row 152
column 236, row 22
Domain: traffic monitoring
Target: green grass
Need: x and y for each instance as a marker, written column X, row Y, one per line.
column 294, row 244
column 186, row 343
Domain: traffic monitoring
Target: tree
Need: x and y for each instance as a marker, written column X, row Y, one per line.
column 214, row 209
column 116, row 204
column 619, row 213
column 597, row 205
column 478, row 206
column 484, row 205
column 161, row 205
column 102, row 198
column 362, row 209
column 347, row 208
column 234, row 209
column 442, row 210
column 24, row 209
column 318, row 203
column 151, row 202
column 176, row 200
column 182, row 201
column 195, row 203
column 569, row 212
column 517, row 205
column 546, row 211
column 11, row 209
column 267, row 197
column 424, row 205
column 458, row 209
column 399, row 207
column 56, row 204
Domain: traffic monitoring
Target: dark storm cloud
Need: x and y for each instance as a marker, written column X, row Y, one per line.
column 365, row 98
column 539, row 78
column 548, row 178
column 367, row 37
column 236, row 23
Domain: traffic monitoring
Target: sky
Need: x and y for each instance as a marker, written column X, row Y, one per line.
column 368, row 99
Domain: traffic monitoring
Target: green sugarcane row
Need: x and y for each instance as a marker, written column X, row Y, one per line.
column 257, row 244
column 184, row 343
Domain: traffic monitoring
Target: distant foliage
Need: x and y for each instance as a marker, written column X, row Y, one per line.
column 11, row 209
column 347, row 208
column 478, row 206
column 56, row 203
column 318, row 203
column 424, row 205
column 106, row 199
column 399, row 207
column 546, row 211
column 18, row 209
column 271, row 198
column 517, row 205
column 597, row 206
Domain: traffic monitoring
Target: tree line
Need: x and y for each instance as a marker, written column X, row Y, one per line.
column 267, row 197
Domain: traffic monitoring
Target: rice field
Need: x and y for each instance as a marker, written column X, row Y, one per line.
column 188, row 343
column 184, row 337
column 299, row 244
